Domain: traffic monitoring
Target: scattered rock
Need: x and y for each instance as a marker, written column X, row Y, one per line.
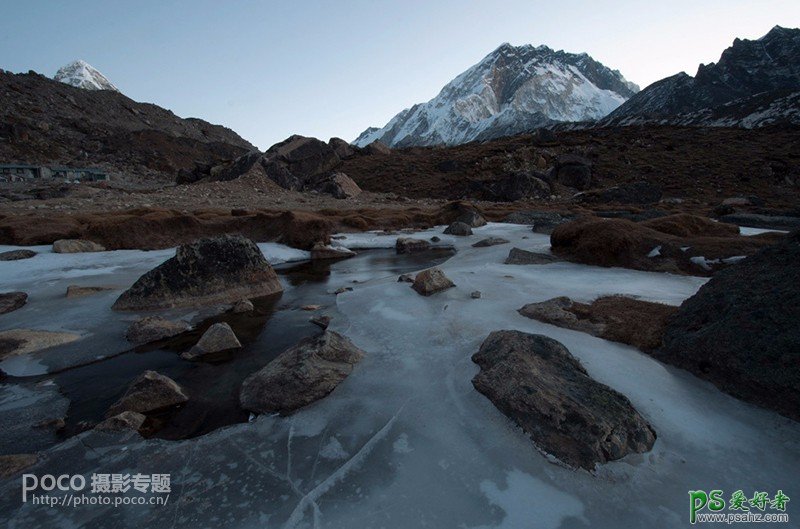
column 342, row 290
column 16, row 255
column 431, row 281
column 435, row 238
column 321, row 320
column 631, row 193
column 242, row 306
column 77, row 291
column 218, row 270
column 153, row 329
column 301, row 375
column 127, row 420
column 573, row 171
column 405, row 278
column 339, row 185
column 323, row 251
column 13, row 464
column 311, row 307
column 518, row 256
column 537, row 383
column 149, row 392
column 740, row 330
column 24, row 341
column 458, row 228
column 409, row 245
column 476, row 294
column 490, row 241
column 616, row 318
column 217, row 338
column 542, row 221
column 76, row 246
column 11, row 301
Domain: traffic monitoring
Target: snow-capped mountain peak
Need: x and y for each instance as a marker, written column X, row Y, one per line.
column 511, row 90
column 82, row 75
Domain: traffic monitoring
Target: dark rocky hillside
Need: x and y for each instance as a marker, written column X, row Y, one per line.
column 47, row 122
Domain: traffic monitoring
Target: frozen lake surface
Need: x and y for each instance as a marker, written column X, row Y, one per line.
column 405, row 441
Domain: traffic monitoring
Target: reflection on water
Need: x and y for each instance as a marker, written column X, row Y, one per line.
column 276, row 324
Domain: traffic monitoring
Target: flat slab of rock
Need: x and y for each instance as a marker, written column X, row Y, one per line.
column 149, row 392
column 154, row 328
column 24, row 341
column 458, row 228
column 490, row 241
column 301, row 375
column 16, row 255
column 323, row 251
column 76, row 246
column 517, row 256
column 76, row 291
column 537, row 383
column 741, row 330
column 217, row 338
column 431, row 281
column 616, row 318
column 127, row 420
column 216, row 270
column 409, row 245
column 11, row 301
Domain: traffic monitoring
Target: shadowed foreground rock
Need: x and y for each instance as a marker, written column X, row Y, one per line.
column 219, row 270
column 301, row 375
column 536, row 382
column 150, row 392
column 11, row 301
column 616, row 318
column 741, row 330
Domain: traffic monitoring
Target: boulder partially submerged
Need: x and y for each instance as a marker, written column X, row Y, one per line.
column 149, row 392
column 11, row 301
column 740, row 330
column 217, row 338
column 301, row 375
column 410, row 245
column 537, row 383
column 222, row 269
column 431, row 281
column 16, row 255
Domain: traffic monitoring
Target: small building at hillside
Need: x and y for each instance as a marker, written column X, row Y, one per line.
column 24, row 173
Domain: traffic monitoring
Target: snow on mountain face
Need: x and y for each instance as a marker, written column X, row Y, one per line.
column 82, row 75
column 512, row 90
column 747, row 69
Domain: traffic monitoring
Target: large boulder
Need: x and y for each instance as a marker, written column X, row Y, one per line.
column 149, row 392
column 11, row 301
column 16, row 255
column 304, row 157
column 338, row 185
column 216, row 270
column 76, row 246
column 740, row 330
column 153, row 329
column 616, row 318
column 377, row 147
column 301, row 375
column 431, row 281
column 125, row 421
column 342, row 149
column 517, row 186
column 537, row 383
column 574, row 171
column 217, row 338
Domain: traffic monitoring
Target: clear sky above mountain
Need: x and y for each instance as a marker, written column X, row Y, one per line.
column 271, row 69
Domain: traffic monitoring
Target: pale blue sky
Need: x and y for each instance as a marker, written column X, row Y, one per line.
column 271, row 69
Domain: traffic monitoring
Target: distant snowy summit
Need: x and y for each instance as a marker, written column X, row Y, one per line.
column 512, row 90
column 82, row 75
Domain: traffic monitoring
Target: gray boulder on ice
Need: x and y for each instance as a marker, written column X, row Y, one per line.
column 217, row 338
column 149, row 392
column 431, row 281
column 537, row 383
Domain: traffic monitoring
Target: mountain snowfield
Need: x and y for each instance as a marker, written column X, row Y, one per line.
column 512, row 90
column 83, row 75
